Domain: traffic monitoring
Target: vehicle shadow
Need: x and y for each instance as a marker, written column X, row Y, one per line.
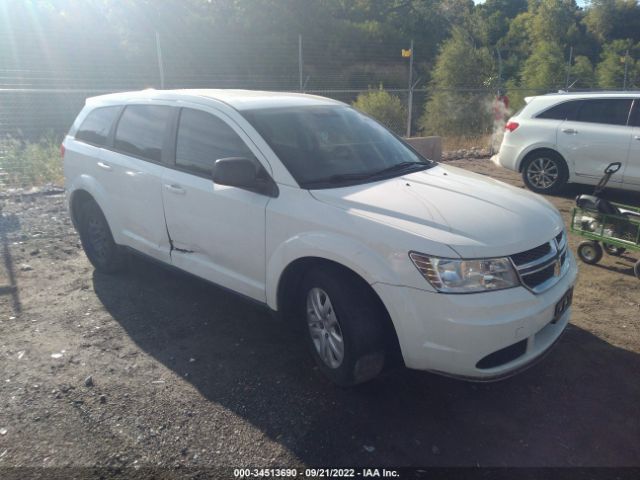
column 578, row 407
column 9, row 223
column 625, row 197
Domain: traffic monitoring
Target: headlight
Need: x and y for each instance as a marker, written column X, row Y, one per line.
column 466, row 276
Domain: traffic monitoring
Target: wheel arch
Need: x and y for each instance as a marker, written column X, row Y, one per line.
column 291, row 279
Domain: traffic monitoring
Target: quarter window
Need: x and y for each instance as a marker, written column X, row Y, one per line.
column 203, row 139
column 142, row 130
column 610, row 111
column 561, row 111
column 96, row 127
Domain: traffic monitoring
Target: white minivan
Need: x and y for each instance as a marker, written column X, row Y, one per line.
column 571, row 137
column 316, row 211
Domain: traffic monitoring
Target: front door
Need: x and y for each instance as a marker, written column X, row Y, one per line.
column 217, row 232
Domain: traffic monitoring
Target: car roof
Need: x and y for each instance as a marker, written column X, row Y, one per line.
column 238, row 99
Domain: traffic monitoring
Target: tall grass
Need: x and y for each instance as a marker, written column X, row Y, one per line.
column 26, row 164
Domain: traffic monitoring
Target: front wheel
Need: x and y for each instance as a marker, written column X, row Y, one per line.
column 345, row 326
column 545, row 172
column 590, row 252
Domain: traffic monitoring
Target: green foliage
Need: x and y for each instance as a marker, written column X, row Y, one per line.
column 31, row 163
column 386, row 108
column 582, row 73
column 610, row 70
column 545, row 69
column 460, row 64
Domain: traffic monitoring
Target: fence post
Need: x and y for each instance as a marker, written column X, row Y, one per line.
column 300, row 64
column 160, row 63
column 626, row 68
column 566, row 86
column 410, row 99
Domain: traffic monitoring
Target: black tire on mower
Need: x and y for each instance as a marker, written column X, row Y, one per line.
column 590, row 252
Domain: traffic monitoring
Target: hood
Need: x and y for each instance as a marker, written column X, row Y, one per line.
column 475, row 215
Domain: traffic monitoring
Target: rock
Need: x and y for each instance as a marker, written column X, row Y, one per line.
column 25, row 267
column 3, row 431
column 435, row 450
column 369, row 448
column 88, row 382
column 103, row 398
column 56, row 355
column 35, row 252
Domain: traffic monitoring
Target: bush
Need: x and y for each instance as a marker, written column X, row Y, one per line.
column 384, row 107
column 26, row 164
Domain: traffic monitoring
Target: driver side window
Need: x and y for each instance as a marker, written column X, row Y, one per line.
column 204, row 138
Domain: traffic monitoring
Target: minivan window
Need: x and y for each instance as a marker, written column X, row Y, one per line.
column 329, row 146
column 203, row 139
column 96, row 127
column 561, row 111
column 613, row 111
column 141, row 131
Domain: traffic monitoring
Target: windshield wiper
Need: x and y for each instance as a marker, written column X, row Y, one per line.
column 355, row 177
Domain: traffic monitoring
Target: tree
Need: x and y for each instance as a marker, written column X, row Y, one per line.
column 614, row 20
column 582, row 74
column 610, row 71
column 545, row 69
column 458, row 106
column 384, row 107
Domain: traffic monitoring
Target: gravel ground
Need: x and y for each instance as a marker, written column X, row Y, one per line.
column 153, row 368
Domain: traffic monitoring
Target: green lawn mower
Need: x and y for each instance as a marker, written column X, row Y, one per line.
column 608, row 227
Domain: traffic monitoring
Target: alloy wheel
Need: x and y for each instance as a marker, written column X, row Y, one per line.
column 324, row 328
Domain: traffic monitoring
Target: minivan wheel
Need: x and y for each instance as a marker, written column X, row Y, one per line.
column 344, row 326
column 545, row 172
column 97, row 241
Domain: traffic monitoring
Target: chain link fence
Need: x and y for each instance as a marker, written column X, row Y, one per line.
column 40, row 97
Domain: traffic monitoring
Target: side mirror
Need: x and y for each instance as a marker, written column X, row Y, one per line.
column 243, row 173
column 235, row 172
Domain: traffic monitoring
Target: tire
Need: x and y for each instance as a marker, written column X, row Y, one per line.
column 346, row 338
column 590, row 252
column 97, row 241
column 636, row 269
column 545, row 172
column 613, row 250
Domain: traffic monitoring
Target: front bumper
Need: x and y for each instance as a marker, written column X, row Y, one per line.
column 450, row 334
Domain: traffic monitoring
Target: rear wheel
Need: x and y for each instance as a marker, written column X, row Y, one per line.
column 636, row 269
column 590, row 252
column 545, row 172
column 97, row 241
column 345, row 326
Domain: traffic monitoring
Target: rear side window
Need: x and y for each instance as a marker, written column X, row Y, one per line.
column 561, row 111
column 96, row 127
column 635, row 115
column 142, row 130
column 203, row 139
column 610, row 111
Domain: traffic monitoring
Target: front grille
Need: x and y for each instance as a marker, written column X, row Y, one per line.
column 531, row 255
column 538, row 266
column 538, row 278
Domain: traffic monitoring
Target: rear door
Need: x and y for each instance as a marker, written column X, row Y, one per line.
column 138, row 160
column 596, row 135
column 217, row 231
column 632, row 171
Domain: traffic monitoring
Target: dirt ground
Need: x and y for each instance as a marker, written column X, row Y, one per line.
column 185, row 375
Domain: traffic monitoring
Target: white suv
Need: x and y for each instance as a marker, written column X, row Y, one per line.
column 316, row 211
column 572, row 137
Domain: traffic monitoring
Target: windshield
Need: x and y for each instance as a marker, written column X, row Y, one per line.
column 329, row 146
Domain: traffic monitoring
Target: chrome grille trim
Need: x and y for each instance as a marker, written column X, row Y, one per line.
column 557, row 255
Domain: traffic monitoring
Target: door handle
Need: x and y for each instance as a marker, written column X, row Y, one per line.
column 105, row 166
column 636, row 137
column 177, row 189
column 569, row 131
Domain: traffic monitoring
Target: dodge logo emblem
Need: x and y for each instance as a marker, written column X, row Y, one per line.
column 556, row 268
